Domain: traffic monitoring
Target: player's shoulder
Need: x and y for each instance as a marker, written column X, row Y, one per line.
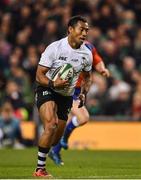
column 88, row 45
column 56, row 44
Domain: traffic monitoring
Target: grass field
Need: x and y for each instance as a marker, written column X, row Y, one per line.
column 86, row 164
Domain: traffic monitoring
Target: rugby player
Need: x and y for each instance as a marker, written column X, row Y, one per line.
column 54, row 98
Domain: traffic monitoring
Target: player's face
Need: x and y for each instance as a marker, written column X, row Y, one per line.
column 79, row 32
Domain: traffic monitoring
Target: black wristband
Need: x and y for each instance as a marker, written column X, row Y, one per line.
column 50, row 84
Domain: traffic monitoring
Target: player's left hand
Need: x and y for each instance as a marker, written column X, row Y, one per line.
column 82, row 99
column 105, row 72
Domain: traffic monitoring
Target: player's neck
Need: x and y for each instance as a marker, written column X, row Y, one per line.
column 72, row 43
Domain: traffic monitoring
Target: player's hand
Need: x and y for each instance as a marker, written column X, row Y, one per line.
column 82, row 99
column 60, row 83
column 105, row 72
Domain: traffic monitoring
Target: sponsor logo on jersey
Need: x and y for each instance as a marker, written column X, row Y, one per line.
column 74, row 60
column 46, row 93
column 63, row 58
column 84, row 61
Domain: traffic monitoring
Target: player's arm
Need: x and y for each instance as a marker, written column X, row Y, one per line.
column 86, row 82
column 85, row 88
column 100, row 68
column 42, row 79
column 99, row 65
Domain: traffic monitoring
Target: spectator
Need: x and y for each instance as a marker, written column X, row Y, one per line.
column 13, row 95
column 96, row 98
column 119, row 99
column 27, row 27
column 10, row 132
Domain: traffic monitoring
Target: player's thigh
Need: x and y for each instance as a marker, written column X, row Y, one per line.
column 48, row 113
column 46, row 104
column 81, row 113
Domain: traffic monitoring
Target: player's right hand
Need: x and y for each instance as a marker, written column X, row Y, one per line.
column 60, row 83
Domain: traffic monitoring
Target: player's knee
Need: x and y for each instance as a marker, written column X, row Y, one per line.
column 84, row 119
column 51, row 126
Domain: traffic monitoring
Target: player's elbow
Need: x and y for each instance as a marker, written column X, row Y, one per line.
column 37, row 77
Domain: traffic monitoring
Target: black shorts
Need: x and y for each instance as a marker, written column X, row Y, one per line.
column 64, row 103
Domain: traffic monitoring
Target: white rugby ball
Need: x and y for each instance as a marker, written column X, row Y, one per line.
column 66, row 72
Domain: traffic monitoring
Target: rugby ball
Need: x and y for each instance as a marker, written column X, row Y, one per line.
column 66, row 72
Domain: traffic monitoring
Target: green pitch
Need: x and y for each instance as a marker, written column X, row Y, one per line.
column 86, row 164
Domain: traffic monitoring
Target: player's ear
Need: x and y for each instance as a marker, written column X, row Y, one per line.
column 70, row 29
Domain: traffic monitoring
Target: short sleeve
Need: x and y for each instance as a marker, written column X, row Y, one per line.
column 48, row 56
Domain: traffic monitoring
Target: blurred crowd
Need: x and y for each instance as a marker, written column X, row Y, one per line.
column 28, row 26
